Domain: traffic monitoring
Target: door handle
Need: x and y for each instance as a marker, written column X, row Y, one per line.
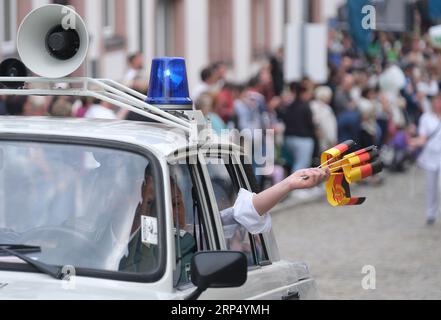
column 292, row 296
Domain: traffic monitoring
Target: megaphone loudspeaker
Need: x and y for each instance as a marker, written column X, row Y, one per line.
column 48, row 46
column 13, row 68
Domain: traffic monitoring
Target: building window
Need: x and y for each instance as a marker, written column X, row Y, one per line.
column 170, row 28
column 8, row 30
column 261, row 27
column 62, row 2
column 141, row 8
column 221, row 31
column 286, row 8
column 109, row 18
column 313, row 8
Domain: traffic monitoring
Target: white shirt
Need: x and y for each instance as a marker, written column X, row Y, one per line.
column 97, row 111
column 428, row 88
column 131, row 75
column 244, row 214
column 200, row 89
column 134, row 75
column 430, row 158
column 325, row 120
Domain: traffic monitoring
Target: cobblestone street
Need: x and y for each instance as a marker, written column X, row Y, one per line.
column 387, row 232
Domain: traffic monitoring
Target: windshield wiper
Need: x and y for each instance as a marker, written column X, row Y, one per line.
column 19, row 251
column 23, row 249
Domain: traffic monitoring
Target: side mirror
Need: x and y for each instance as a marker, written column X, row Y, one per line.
column 216, row 270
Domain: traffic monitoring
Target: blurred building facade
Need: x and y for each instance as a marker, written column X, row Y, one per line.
column 237, row 32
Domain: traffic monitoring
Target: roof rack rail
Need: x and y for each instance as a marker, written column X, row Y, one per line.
column 102, row 89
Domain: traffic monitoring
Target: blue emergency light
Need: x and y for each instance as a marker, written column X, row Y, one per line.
column 168, row 88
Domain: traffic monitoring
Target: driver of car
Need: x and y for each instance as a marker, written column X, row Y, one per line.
column 250, row 211
column 141, row 257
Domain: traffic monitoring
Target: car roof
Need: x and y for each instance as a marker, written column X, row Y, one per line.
column 159, row 138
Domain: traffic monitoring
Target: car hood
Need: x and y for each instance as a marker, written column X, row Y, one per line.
column 35, row 286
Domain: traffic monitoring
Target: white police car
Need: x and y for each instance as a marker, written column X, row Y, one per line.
column 100, row 209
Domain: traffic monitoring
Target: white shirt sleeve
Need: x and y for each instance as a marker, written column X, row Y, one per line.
column 243, row 213
column 229, row 224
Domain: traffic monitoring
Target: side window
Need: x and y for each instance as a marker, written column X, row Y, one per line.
column 188, row 222
column 245, row 171
column 226, row 188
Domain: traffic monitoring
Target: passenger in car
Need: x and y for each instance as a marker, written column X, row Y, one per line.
column 250, row 211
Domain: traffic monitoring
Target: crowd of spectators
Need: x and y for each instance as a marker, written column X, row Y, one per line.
column 374, row 97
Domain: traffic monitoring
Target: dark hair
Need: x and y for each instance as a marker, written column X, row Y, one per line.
column 217, row 64
column 96, row 101
column 295, row 87
column 254, row 81
column 15, row 105
column 365, row 92
column 299, row 88
column 148, row 171
column 133, row 57
column 229, row 86
column 206, row 74
column 435, row 97
column 239, row 87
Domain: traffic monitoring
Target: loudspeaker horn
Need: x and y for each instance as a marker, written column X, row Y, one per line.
column 53, row 41
column 13, row 68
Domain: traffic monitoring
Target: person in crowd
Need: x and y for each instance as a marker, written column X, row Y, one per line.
column 136, row 75
column 224, row 103
column 369, row 133
column 335, row 48
column 346, row 108
column 416, row 56
column 247, row 111
column 277, row 73
column 300, row 129
column 36, row 106
column 205, row 103
column 324, row 119
column 265, row 84
column 383, row 117
column 3, row 110
column 349, row 49
column 80, row 107
column 410, row 94
column 15, row 105
column 61, row 107
column 208, row 81
column 220, row 75
column 100, row 110
column 430, row 158
column 427, row 83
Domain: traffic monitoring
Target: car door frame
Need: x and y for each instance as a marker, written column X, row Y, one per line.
column 270, row 280
column 265, row 281
column 249, row 178
column 192, row 160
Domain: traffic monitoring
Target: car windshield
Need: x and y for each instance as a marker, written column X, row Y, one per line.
column 84, row 206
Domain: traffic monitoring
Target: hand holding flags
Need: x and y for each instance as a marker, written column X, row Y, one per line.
column 348, row 169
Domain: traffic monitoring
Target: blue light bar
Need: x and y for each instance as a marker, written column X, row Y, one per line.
column 168, row 86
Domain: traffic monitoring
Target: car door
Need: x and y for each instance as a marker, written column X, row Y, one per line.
column 268, row 277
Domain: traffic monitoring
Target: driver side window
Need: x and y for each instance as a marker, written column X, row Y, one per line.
column 188, row 222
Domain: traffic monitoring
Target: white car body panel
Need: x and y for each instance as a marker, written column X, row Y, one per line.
column 267, row 282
